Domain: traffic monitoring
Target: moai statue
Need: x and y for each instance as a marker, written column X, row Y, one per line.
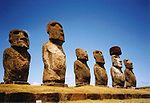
column 54, row 57
column 130, row 79
column 16, row 59
column 81, row 69
column 101, row 78
column 117, row 75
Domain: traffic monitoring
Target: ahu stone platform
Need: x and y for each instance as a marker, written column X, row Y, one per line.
column 29, row 93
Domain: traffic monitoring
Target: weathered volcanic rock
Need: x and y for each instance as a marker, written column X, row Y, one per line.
column 54, row 57
column 101, row 78
column 118, row 79
column 16, row 59
column 117, row 75
column 130, row 79
column 81, row 69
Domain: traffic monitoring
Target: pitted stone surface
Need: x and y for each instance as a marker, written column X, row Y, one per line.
column 130, row 79
column 101, row 78
column 16, row 59
column 118, row 79
column 53, row 56
column 81, row 69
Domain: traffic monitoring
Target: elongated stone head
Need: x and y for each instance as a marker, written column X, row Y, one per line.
column 81, row 54
column 98, row 56
column 128, row 64
column 55, row 31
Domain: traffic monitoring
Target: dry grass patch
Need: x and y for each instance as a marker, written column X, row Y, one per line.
column 109, row 90
column 111, row 101
column 83, row 89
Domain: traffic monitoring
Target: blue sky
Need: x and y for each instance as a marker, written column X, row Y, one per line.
column 88, row 24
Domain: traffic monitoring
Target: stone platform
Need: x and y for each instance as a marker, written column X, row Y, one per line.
column 29, row 93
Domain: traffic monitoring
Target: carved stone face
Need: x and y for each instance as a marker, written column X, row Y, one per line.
column 19, row 38
column 81, row 54
column 98, row 56
column 55, row 31
column 116, row 61
column 128, row 63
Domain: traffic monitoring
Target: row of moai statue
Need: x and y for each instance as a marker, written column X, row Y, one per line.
column 16, row 62
column 119, row 79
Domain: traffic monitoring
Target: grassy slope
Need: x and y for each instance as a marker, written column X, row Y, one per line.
column 84, row 89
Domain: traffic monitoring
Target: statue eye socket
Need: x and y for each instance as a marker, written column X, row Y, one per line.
column 97, row 51
column 53, row 24
column 25, row 39
column 16, row 32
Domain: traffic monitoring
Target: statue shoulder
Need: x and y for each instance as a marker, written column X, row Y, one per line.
column 114, row 69
column 96, row 65
column 78, row 63
column 9, row 51
column 48, row 45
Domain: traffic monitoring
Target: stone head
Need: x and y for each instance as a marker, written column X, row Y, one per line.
column 115, row 50
column 98, row 56
column 128, row 64
column 55, row 31
column 116, row 61
column 19, row 38
column 81, row 54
